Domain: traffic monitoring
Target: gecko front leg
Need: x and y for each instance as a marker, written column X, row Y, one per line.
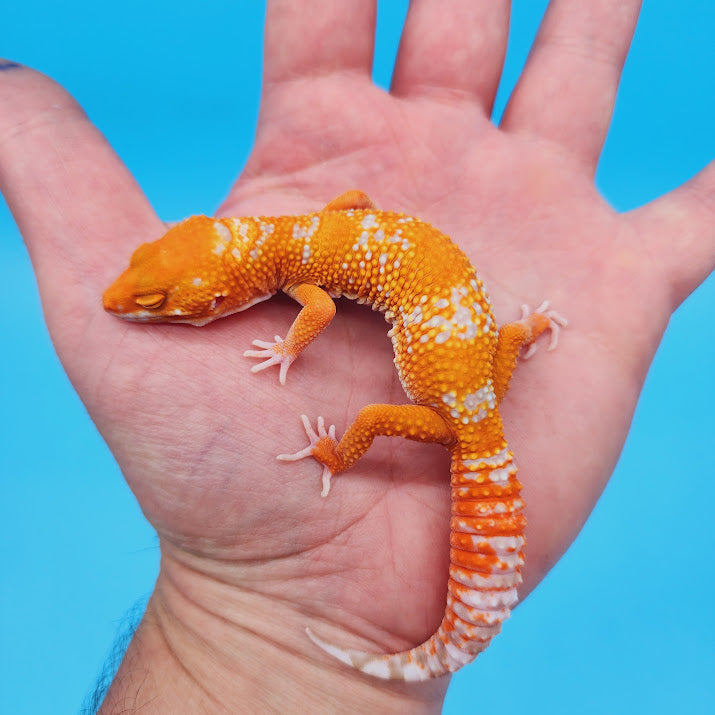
column 318, row 310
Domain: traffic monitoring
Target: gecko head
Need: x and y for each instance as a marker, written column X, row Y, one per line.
column 181, row 278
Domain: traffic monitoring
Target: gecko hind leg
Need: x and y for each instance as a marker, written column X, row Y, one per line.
column 540, row 320
column 352, row 199
column 414, row 422
column 513, row 337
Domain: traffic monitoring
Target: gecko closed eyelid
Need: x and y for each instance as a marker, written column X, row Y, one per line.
column 453, row 361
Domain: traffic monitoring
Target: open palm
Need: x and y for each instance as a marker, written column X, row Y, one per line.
column 196, row 434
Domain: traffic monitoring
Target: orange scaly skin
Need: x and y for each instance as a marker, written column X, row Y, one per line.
column 453, row 362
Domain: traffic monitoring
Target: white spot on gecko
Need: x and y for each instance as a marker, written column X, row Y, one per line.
column 266, row 230
column 436, row 321
column 450, row 398
column 484, row 394
column 241, row 227
column 223, row 231
column 369, row 221
column 497, row 460
column 413, row 317
column 502, row 474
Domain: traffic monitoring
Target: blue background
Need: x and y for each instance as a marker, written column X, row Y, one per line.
column 623, row 624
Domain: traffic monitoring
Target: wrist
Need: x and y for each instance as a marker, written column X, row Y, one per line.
column 205, row 644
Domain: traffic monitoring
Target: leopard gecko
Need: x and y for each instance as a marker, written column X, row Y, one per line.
column 453, row 362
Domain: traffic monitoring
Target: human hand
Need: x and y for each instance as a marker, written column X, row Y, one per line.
column 196, row 435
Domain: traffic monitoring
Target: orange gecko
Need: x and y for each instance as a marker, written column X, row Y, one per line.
column 453, row 362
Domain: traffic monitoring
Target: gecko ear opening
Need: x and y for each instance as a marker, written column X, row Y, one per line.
column 151, row 300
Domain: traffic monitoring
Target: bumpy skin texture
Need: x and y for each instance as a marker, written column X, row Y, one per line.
column 453, row 362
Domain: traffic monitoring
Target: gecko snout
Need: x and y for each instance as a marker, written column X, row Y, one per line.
column 112, row 300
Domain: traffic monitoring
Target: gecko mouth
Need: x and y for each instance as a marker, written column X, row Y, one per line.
column 147, row 316
column 139, row 316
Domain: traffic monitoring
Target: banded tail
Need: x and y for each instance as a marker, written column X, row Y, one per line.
column 487, row 537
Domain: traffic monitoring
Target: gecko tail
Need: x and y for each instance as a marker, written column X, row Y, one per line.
column 435, row 657
column 486, row 555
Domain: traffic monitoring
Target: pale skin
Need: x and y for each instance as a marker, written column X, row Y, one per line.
column 251, row 554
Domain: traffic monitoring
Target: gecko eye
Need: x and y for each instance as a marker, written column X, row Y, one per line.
column 151, row 300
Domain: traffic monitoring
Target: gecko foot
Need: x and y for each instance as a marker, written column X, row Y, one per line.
column 539, row 321
column 273, row 353
column 319, row 441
